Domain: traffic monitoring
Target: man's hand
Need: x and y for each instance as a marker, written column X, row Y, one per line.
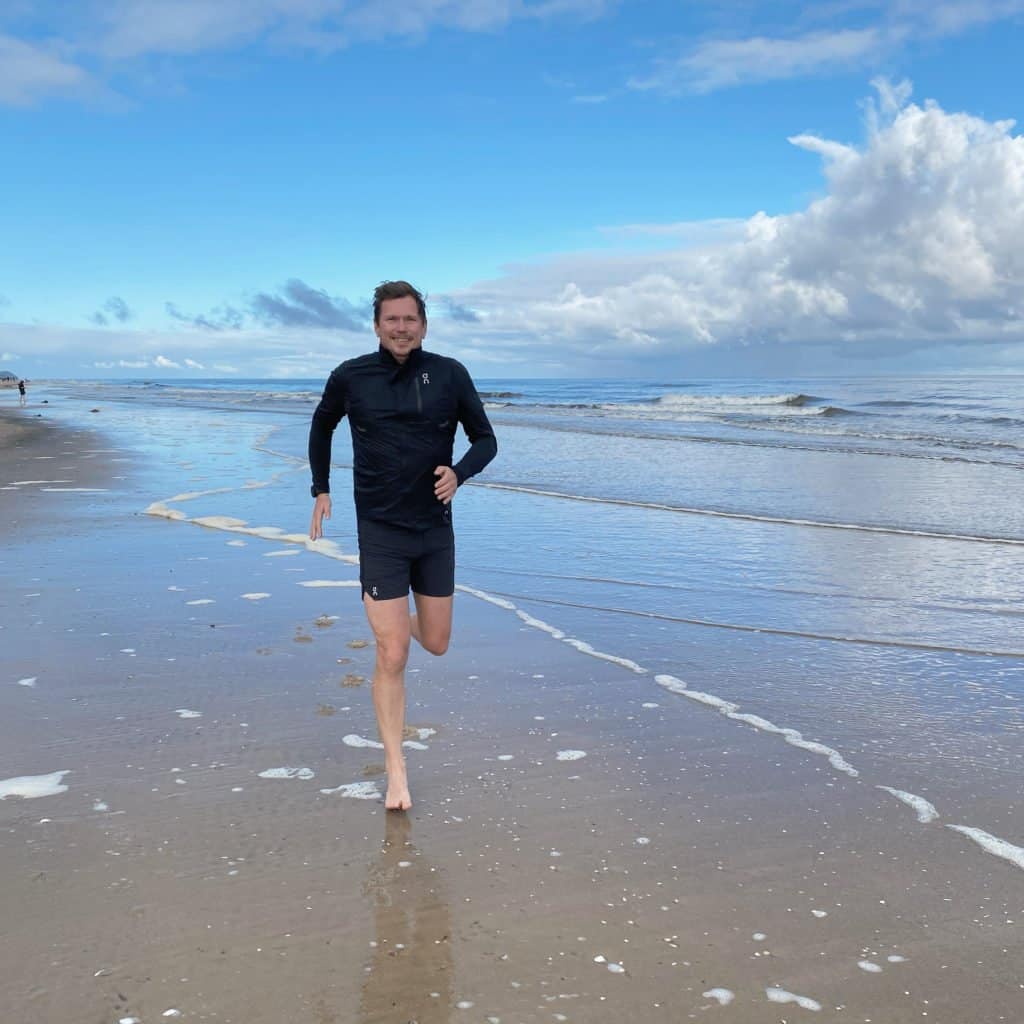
column 321, row 511
column 447, row 483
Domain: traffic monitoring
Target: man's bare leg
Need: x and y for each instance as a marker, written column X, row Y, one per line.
column 431, row 624
column 390, row 622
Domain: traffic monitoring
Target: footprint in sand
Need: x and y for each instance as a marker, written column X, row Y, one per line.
column 300, row 637
column 264, row 650
column 371, row 771
column 344, row 661
column 358, row 644
column 352, row 680
column 323, row 621
column 326, row 710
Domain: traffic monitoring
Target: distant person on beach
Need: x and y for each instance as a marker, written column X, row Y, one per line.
column 403, row 406
column 21, row 392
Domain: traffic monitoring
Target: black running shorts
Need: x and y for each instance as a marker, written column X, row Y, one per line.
column 393, row 559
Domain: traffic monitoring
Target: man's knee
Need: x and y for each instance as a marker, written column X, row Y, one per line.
column 392, row 655
column 436, row 645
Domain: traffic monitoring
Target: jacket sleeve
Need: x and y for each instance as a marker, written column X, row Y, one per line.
column 483, row 445
column 327, row 416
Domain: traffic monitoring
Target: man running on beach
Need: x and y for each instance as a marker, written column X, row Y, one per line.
column 403, row 406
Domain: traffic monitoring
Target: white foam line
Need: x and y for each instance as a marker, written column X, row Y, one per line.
column 79, row 490
column 795, row 738
column 250, row 485
column 255, row 596
column 553, row 631
column 540, row 624
column 499, row 601
column 731, row 710
column 287, row 773
column 675, row 685
column 30, row 681
column 327, row 548
column 330, row 549
column 30, row 787
column 28, row 483
column 191, row 495
column 750, row 517
column 925, row 811
column 780, row 995
column 723, row 995
column 356, row 790
column 353, row 740
column 158, row 508
column 992, row 844
column 585, row 648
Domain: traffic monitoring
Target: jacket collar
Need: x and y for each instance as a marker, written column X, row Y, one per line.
column 388, row 360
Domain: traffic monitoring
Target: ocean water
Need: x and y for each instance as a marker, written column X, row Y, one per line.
column 838, row 564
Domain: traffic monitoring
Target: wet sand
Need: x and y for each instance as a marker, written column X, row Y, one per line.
column 685, row 867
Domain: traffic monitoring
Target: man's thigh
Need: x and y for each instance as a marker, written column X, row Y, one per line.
column 389, row 620
column 433, row 571
column 434, row 615
column 386, row 558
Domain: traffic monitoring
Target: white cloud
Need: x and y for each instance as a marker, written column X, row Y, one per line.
column 166, row 364
column 917, row 239
column 96, row 32
column 719, row 63
column 7, row 357
column 712, row 231
column 914, row 245
column 122, row 364
column 193, row 365
column 30, row 72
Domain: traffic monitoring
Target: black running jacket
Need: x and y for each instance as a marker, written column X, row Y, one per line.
column 403, row 418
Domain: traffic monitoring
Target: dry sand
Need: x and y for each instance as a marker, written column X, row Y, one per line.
column 684, row 860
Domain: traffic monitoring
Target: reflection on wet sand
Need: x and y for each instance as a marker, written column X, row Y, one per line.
column 409, row 977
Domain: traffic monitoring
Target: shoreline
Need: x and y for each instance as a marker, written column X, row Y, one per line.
column 165, row 685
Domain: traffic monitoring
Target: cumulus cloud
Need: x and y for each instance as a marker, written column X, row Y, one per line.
column 193, row 365
column 912, row 247
column 115, row 308
column 916, row 240
column 166, row 364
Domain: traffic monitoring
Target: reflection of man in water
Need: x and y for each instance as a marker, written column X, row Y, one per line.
column 21, row 392
column 403, row 405
column 413, row 956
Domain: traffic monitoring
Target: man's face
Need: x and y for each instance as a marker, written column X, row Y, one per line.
column 400, row 328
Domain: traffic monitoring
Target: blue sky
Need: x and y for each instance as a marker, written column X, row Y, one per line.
column 583, row 187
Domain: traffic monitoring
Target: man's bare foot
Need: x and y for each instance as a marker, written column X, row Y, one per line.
column 397, row 797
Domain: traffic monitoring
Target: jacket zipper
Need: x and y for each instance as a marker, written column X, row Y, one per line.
column 419, row 399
